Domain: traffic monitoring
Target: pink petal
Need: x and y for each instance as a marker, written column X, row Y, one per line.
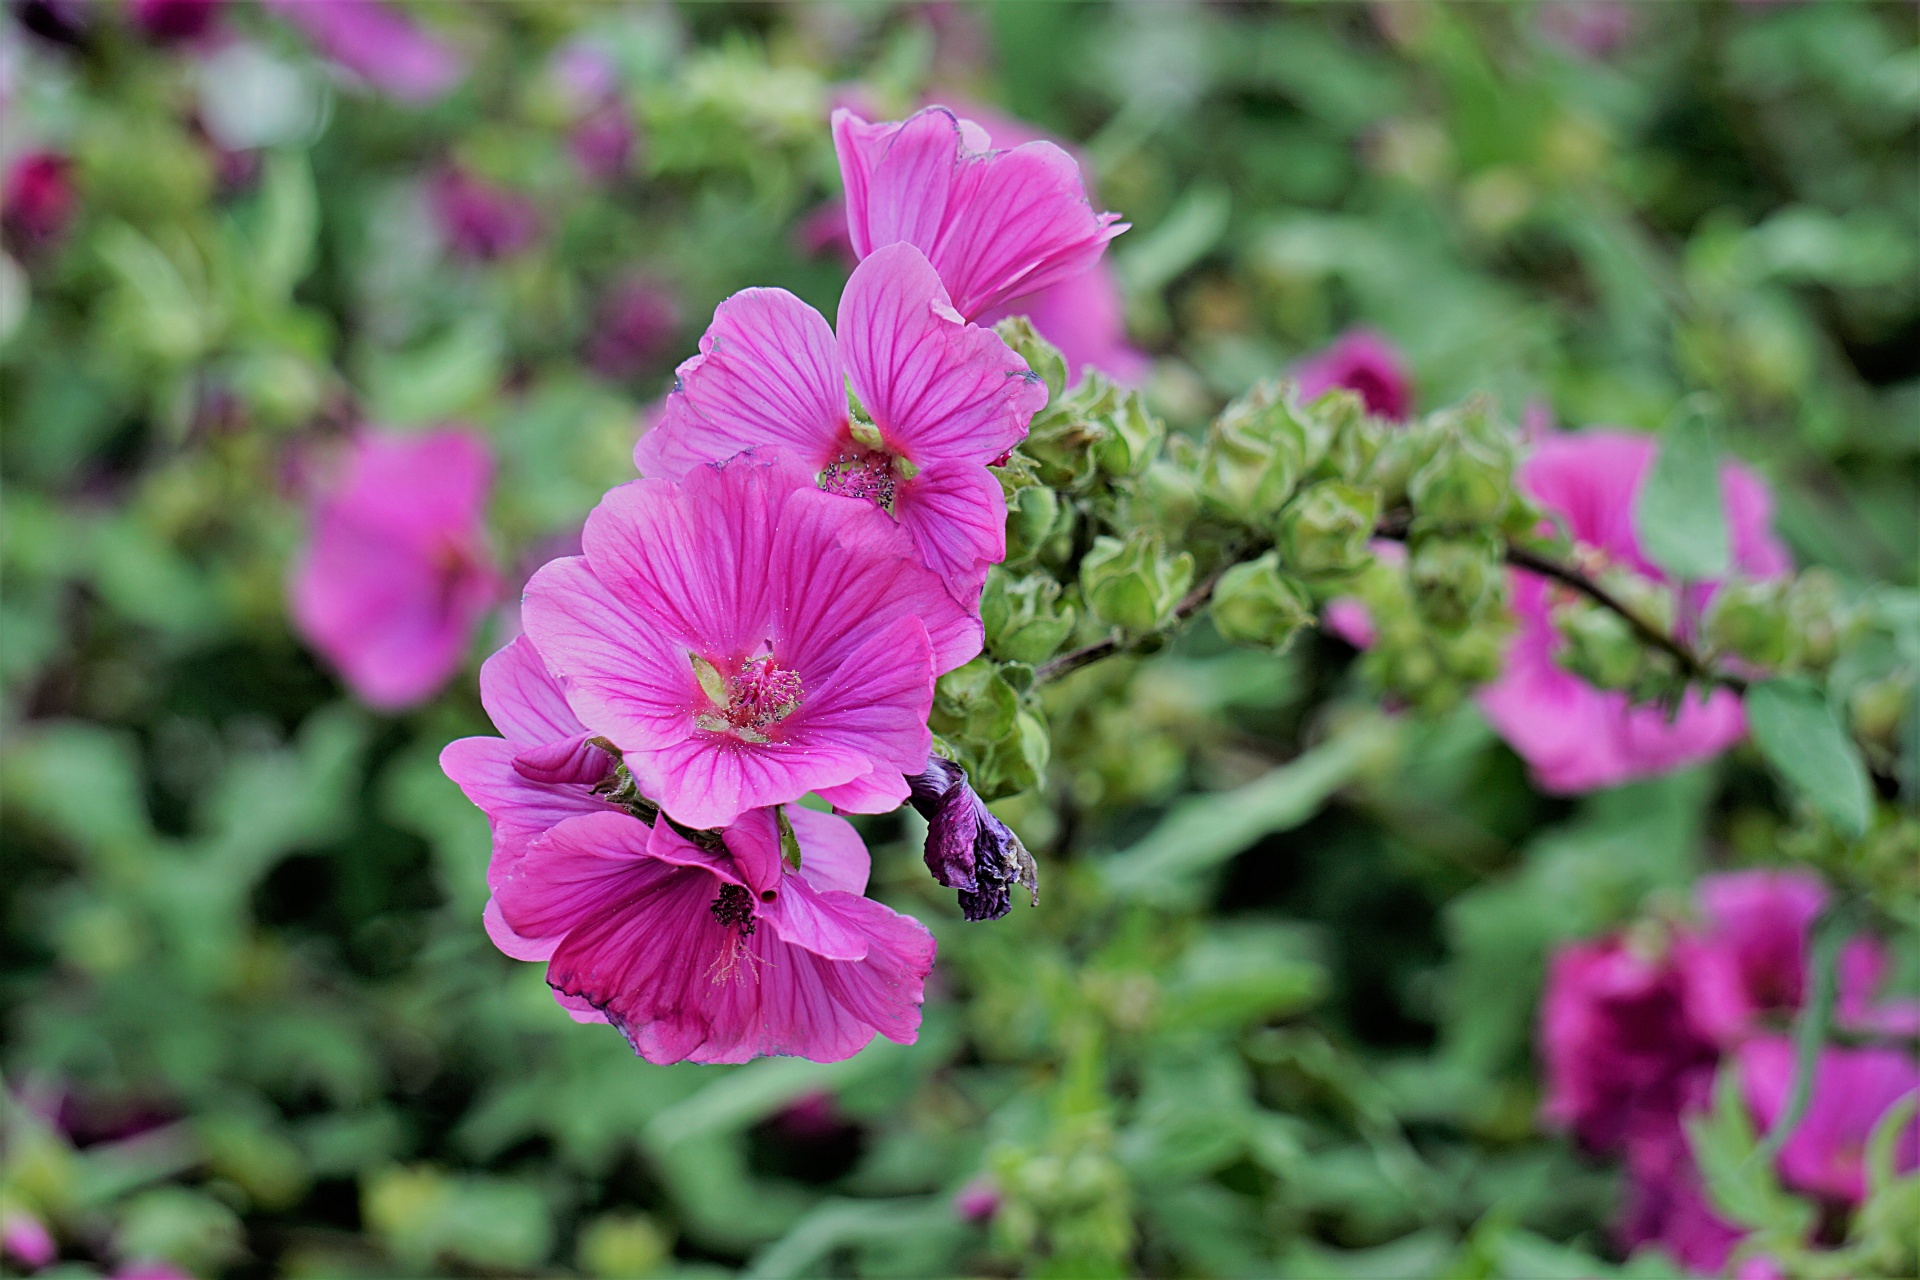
column 874, row 706
column 515, row 945
column 820, row 923
column 768, row 374
column 754, row 842
column 956, row 514
column 524, row 702
column 881, row 791
column 571, row 870
column 832, row 854
column 517, row 808
column 939, row 389
column 379, row 44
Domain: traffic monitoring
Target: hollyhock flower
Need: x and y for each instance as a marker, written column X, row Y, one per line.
column 379, row 44
column 720, row 951
column 395, row 575
column 995, row 224
column 1363, row 361
column 37, row 201
column 745, row 638
column 968, row 848
column 479, row 221
column 1573, row 736
column 27, row 1239
column 636, row 322
column 1852, row 1090
column 175, row 21
column 946, row 399
column 1619, row 1051
column 1667, row 1205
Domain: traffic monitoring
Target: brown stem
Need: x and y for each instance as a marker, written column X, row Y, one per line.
column 1087, row 654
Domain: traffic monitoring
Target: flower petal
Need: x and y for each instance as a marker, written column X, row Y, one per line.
column 525, row 702
column 881, row 791
column 832, row 854
column 956, row 514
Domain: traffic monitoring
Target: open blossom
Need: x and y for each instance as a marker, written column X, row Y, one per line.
column 968, row 848
column 995, row 224
column 1852, row 1090
column 946, row 398
column 395, row 575
column 720, row 951
column 1360, row 360
column 1573, row 736
column 743, row 638
column 379, row 44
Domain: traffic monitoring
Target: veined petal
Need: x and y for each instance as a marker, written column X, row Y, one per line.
column 881, row 791
column 874, row 704
column 524, row 702
column 956, row 514
column 832, row 854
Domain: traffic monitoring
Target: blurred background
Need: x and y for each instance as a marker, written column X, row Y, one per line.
column 250, row 1025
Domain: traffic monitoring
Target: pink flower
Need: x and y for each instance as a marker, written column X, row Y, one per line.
column 602, row 142
column 37, row 202
column 978, row 1201
column 744, row 638
column 175, row 21
column 637, row 321
column 995, row 224
column 1576, row 737
column 1363, row 361
column 946, row 399
column 379, row 44
column 27, row 1239
column 719, row 951
column 479, row 221
column 1852, row 1090
column 395, row 575
column 1666, row 1205
column 1596, row 28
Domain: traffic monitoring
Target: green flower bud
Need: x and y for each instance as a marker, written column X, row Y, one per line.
column 1041, row 356
column 1134, row 433
column 1878, row 706
column 1017, row 761
column 1749, row 620
column 1168, row 494
column 973, row 704
column 1817, row 617
column 1134, row 583
column 1064, row 444
column 1464, row 483
column 1476, row 655
column 1255, row 604
column 1032, row 513
column 1023, row 617
column 1324, row 531
column 1600, row 647
column 1256, row 452
column 1456, row 579
column 1354, row 437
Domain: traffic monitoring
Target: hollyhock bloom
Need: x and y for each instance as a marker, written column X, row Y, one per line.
column 636, row 322
column 479, row 221
column 1666, row 1205
column 995, row 224
column 720, row 951
column 745, row 638
column 175, row 21
column 1619, row 1051
column 968, row 848
column 946, row 399
column 379, row 44
column 27, row 1239
column 395, row 575
column 1573, row 736
column 1852, row 1090
column 1363, row 361
column 37, row 201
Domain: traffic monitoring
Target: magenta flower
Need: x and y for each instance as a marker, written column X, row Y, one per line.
column 379, row 44
column 946, row 399
column 1852, row 1090
column 978, row 1201
column 26, row 1239
column 995, row 224
column 719, row 951
column 479, row 221
column 37, row 202
column 1360, row 360
column 744, row 638
column 1573, row 736
column 175, row 21
column 636, row 323
column 395, row 575
column 1667, row 1204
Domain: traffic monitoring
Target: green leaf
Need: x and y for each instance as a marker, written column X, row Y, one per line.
column 287, row 224
column 1679, row 514
column 1181, row 239
column 1798, row 733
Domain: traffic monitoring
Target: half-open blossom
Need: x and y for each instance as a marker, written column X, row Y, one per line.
column 37, row 202
column 720, row 951
column 478, row 220
column 1852, row 1090
column 945, row 399
column 743, row 638
column 379, row 44
column 995, row 224
column 968, row 848
column 395, row 575
column 1360, row 360
column 1573, row 736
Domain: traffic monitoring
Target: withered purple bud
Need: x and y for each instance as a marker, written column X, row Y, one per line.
column 967, row 847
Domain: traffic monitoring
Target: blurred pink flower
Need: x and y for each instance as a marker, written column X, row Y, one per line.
column 1573, row 736
column 175, row 21
column 395, row 575
column 1666, row 1205
column 37, row 202
column 1852, row 1090
column 602, row 133
column 720, row 952
column 745, row 638
column 481, row 222
column 149, row 1271
column 996, row 225
column 602, row 142
column 823, row 233
column 1597, row 28
column 947, row 397
column 978, row 1201
column 379, row 44
column 637, row 322
column 27, row 1239
column 1362, row 361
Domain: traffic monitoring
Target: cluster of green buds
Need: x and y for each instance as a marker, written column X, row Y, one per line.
column 1068, row 1200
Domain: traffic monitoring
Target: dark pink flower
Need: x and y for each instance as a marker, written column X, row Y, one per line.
column 978, row 1201
column 744, row 638
column 479, row 221
column 1363, row 361
column 602, row 142
column 379, row 44
column 720, row 951
column 396, row 574
column 946, row 399
column 37, row 202
column 1596, row 28
column 1573, row 736
column 1667, row 1205
column 995, row 224
column 1852, row 1090
column 175, row 21
column 636, row 323
column 27, row 1239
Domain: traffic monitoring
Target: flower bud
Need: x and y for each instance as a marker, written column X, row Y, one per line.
column 1255, row 604
column 1465, row 482
column 1749, row 620
column 1354, row 438
column 1877, row 707
column 1256, row 451
column 1024, row 618
column 968, row 848
column 1599, row 645
column 1324, row 531
column 1041, row 356
column 1033, row 510
column 1168, row 494
column 973, row 704
column 1134, row 583
column 1456, row 579
column 1134, row 434
column 1816, row 617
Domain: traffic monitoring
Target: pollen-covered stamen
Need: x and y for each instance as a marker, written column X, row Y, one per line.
column 762, row 693
column 734, row 909
column 860, row 473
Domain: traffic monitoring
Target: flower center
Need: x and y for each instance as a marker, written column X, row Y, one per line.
column 734, row 909
column 861, row 473
column 758, row 696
